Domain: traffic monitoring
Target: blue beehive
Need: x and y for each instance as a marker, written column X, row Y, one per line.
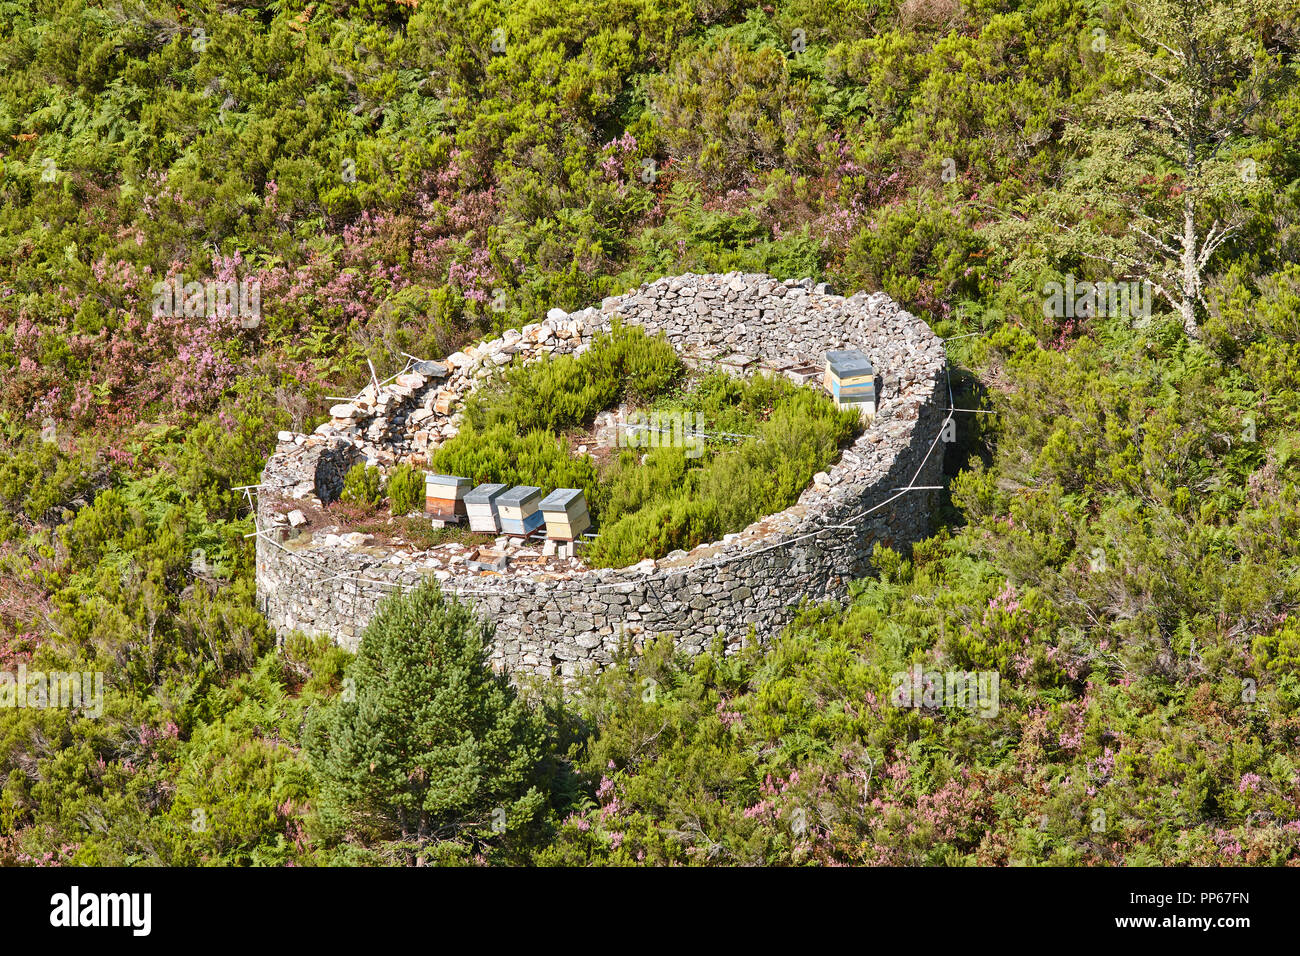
column 518, row 510
column 851, row 380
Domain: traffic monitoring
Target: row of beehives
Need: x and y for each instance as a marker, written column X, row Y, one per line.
column 495, row 508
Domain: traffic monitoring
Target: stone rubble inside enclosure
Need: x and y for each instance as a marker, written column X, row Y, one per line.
column 564, row 618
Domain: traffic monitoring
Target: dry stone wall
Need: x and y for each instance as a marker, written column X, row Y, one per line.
column 748, row 583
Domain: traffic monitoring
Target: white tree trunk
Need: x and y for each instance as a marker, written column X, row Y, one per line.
column 1191, row 274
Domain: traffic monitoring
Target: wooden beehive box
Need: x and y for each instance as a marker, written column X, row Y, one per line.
column 444, row 496
column 487, row 559
column 851, row 380
column 565, row 510
column 481, row 507
column 518, row 510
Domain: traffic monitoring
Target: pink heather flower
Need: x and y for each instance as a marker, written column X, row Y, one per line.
column 729, row 718
column 1249, row 783
column 1006, row 601
column 1103, row 766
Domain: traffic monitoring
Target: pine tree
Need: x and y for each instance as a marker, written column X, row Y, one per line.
column 426, row 744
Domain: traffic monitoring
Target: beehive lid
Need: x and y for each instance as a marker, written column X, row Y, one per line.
column 518, row 495
column 484, row 494
column 561, row 498
column 448, row 480
column 848, row 363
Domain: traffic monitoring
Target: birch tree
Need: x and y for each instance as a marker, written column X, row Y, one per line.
column 1165, row 177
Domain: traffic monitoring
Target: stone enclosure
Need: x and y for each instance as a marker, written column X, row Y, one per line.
column 559, row 617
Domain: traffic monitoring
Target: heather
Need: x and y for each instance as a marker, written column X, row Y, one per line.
column 623, row 365
column 762, row 442
column 1117, row 540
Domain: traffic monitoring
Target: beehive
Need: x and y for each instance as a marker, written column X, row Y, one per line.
column 481, row 506
column 444, row 496
column 851, row 380
column 518, row 510
column 565, row 510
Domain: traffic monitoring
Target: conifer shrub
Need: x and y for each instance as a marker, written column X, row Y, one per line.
column 631, row 485
column 405, row 490
column 679, row 521
column 625, row 364
column 429, row 742
column 672, row 502
column 498, row 453
column 361, row 486
column 767, row 473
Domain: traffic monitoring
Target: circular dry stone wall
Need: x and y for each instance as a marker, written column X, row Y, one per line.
column 563, row 619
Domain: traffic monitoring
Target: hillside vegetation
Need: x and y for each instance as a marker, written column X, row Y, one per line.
column 1119, row 539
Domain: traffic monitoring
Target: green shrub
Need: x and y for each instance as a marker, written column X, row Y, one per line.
column 671, row 502
column 728, row 111
column 37, row 481
column 433, row 740
column 631, row 485
column 405, row 490
column 361, row 486
column 678, row 522
column 624, row 364
column 767, row 473
column 501, row 454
